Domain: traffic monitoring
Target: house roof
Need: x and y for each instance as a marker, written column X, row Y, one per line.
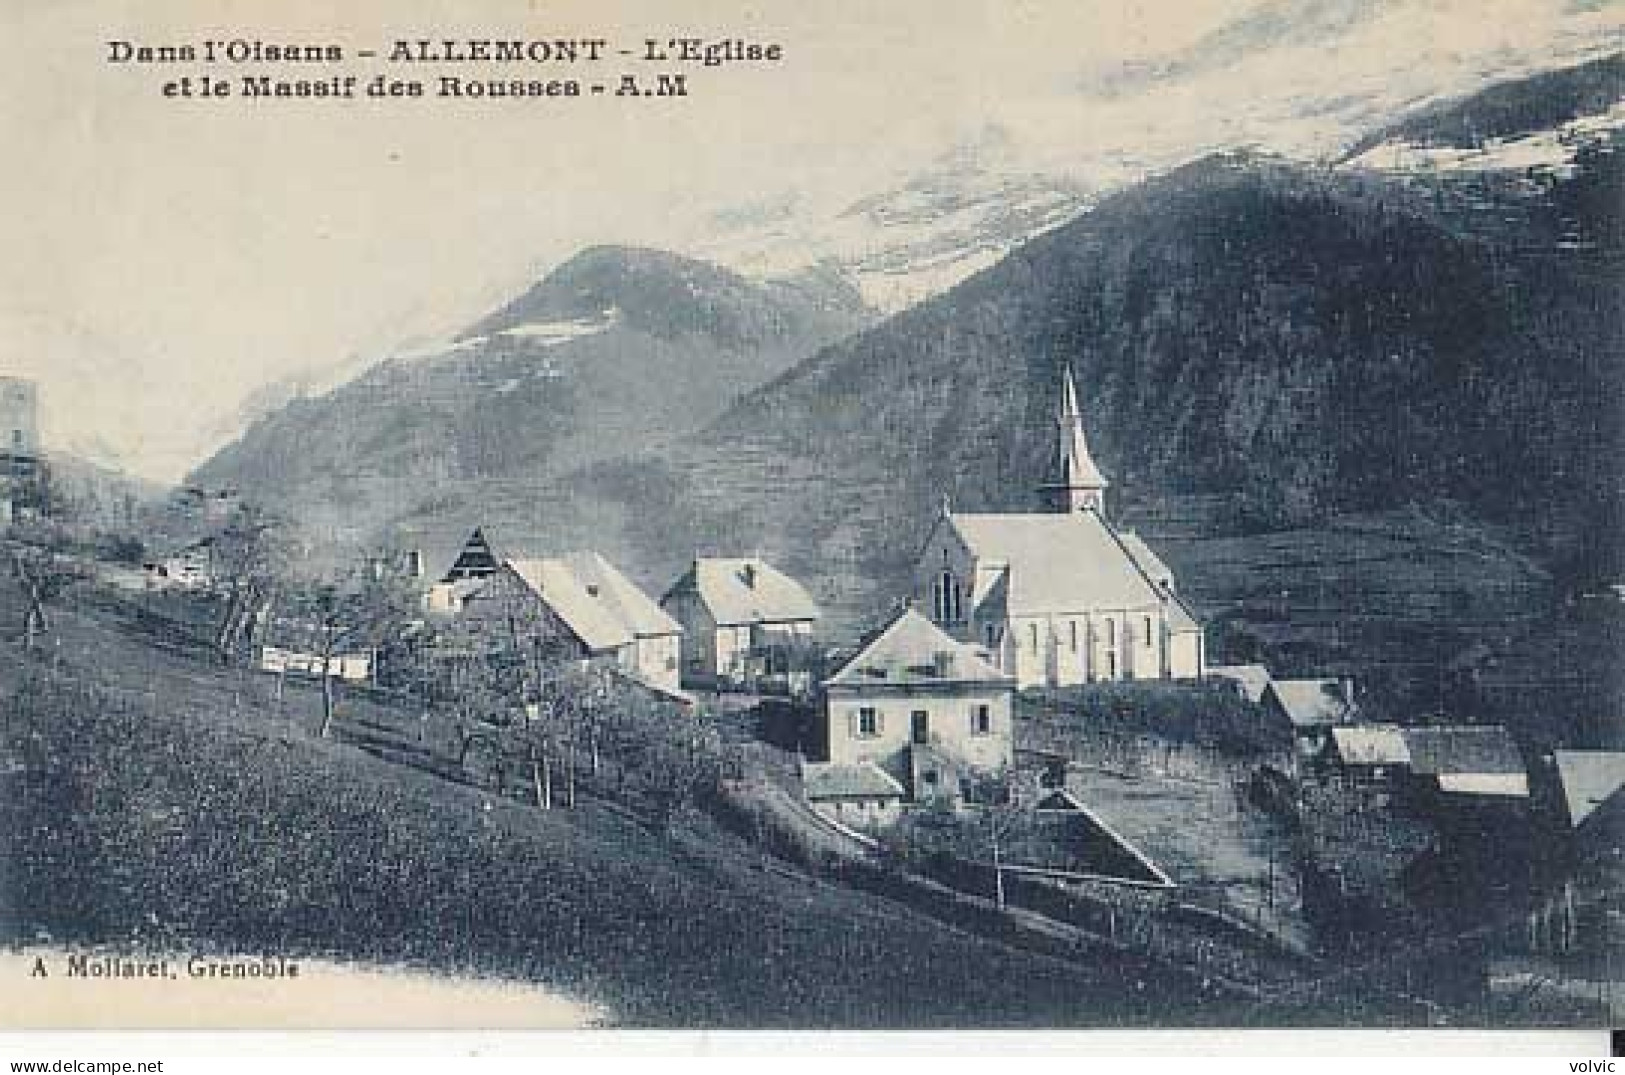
column 864, row 781
column 746, row 589
column 1253, row 679
column 1493, row 785
column 1588, row 778
column 597, row 602
column 910, row 650
column 1055, row 563
column 1465, row 749
column 1371, row 744
column 1311, row 703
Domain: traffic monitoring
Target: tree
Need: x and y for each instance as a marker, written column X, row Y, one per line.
column 337, row 618
column 247, row 558
column 43, row 574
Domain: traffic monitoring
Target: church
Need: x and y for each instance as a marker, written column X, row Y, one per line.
column 1060, row 596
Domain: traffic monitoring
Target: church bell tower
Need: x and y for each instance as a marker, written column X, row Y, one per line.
column 1075, row 483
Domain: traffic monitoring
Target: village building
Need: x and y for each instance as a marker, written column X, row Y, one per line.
column 1062, row 596
column 1369, row 753
column 1308, row 710
column 1465, row 763
column 22, row 466
column 577, row 607
column 1250, row 681
column 188, row 565
column 451, row 574
column 746, row 626
column 921, row 707
column 863, row 796
column 1587, row 779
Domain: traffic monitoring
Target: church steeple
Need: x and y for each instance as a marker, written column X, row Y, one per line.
column 1075, row 483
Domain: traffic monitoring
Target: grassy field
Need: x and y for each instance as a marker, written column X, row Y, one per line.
column 153, row 802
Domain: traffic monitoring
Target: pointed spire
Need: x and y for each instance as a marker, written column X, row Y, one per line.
column 1075, row 482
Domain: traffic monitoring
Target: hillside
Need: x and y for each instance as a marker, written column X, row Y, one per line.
column 1270, row 343
column 618, row 350
column 1511, row 109
column 155, row 803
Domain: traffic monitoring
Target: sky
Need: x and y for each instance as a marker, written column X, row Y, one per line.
column 169, row 259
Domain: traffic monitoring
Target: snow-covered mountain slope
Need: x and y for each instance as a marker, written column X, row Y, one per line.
column 917, row 238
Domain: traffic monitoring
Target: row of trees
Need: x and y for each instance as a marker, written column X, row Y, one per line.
column 514, row 707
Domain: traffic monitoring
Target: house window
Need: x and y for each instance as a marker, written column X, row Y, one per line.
column 989, row 632
column 981, row 720
column 868, row 723
column 1032, row 635
column 946, row 599
column 1111, row 664
column 1148, row 630
column 1111, row 632
column 1072, row 628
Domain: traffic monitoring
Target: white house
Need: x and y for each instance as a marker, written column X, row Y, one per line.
column 921, row 707
column 745, row 624
column 1061, row 596
column 580, row 607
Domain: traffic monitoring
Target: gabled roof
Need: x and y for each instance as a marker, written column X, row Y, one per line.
column 1311, row 703
column 475, row 559
column 1588, row 779
column 1056, row 563
column 1478, row 749
column 746, row 589
column 865, row 781
column 1371, row 744
column 1253, row 679
column 913, row 651
column 597, row 602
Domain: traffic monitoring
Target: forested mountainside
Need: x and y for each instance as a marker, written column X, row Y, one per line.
column 618, row 350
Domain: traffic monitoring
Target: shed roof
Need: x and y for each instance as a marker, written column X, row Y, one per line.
column 1474, row 748
column 1312, row 703
column 1253, row 679
column 1490, row 785
column 862, row 781
column 910, row 650
column 1588, row 779
column 1056, row 563
column 1371, row 744
column 746, row 589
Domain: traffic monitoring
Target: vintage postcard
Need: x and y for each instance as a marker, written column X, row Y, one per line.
column 812, row 516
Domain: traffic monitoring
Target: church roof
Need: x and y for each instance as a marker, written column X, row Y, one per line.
column 913, row 651
column 1057, row 563
column 746, row 589
column 1147, row 561
column 596, row 601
